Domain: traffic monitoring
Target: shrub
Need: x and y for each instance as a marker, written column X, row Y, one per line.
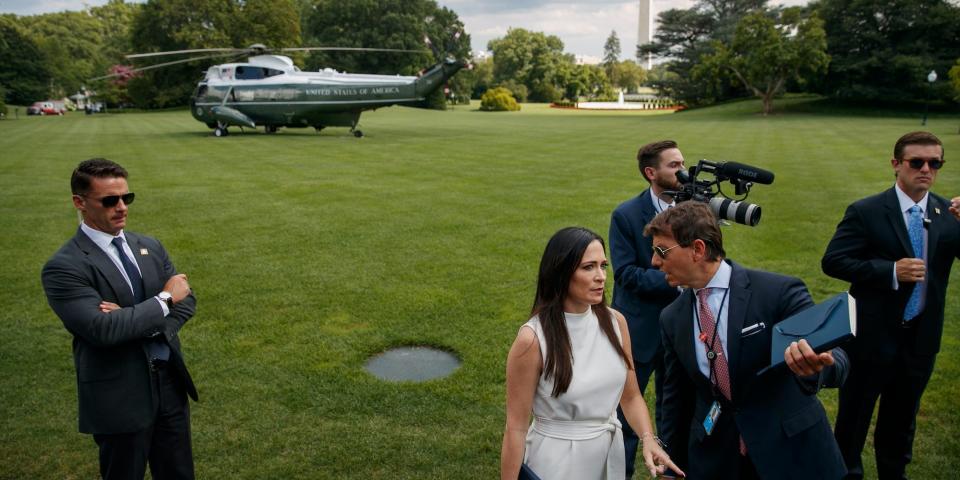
column 498, row 100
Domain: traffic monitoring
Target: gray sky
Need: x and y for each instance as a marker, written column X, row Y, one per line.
column 583, row 25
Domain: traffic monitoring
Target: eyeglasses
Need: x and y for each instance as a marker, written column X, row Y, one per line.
column 111, row 201
column 917, row 163
column 662, row 252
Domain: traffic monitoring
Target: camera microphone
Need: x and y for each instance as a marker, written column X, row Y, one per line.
column 745, row 172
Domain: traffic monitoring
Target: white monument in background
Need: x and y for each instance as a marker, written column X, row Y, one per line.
column 645, row 29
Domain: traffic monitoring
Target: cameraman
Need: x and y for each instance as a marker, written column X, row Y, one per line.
column 640, row 291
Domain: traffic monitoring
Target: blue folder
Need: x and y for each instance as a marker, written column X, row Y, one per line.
column 824, row 326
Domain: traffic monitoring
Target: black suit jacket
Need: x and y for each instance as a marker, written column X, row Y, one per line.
column 869, row 240
column 116, row 394
column 639, row 291
column 782, row 422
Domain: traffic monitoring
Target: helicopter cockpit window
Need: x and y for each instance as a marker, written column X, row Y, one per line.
column 249, row 73
column 271, row 72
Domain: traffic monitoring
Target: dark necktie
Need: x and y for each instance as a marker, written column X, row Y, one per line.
column 158, row 348
column 915, row 229
column 136, row 281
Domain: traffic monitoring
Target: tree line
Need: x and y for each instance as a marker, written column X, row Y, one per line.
column 861, row 50
column 869, row 51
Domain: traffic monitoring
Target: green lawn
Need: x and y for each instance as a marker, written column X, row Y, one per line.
column 310, row 253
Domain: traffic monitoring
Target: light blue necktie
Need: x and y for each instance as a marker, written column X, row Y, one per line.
column 915, row 229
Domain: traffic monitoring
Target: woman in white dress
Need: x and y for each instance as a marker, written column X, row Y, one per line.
column 569, row 366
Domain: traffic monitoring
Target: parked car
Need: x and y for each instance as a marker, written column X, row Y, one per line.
column 49, row 107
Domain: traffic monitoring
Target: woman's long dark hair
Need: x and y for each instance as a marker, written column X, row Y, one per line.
column 560, row 260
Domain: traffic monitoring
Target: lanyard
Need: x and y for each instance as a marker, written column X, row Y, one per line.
column 711, row 354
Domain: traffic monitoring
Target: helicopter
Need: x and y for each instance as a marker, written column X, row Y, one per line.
column 268, row 90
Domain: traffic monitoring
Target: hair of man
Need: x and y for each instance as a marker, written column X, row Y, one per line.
column 689, row 221
column 916, row 138
column 560, row 260
column 94, row 168
column 649, row 155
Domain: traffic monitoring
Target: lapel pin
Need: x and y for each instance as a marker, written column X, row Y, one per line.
column 143, row 251
column 937, row 210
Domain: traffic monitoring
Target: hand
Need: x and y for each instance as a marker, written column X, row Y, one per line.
column 911, row 270
column 656, row 459
column 178, row 287
column 955, row 207
column 107, row 307
column 803, row 361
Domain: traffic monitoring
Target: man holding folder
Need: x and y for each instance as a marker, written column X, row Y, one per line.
column 716, row 338
column 896, row 249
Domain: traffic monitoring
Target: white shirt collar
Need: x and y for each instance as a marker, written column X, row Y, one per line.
column 102, row 239
column 658, row 204
column 906, row 202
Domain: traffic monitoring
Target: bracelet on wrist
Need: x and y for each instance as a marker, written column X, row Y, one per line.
column 644, row 437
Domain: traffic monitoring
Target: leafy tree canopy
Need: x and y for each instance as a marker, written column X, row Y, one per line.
column 24, row 75
column 397, row 24
column 883, row 49
column 766, row 52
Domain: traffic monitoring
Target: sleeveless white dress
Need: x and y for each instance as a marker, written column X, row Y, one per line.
column 577, row 435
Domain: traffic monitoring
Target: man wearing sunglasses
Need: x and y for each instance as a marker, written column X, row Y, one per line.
column 716, row 338
column 896, row 249
column 640, row 291
column 120, row 297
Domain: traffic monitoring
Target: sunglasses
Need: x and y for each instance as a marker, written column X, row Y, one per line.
column 111, row 201
column 662, row 252
column 917, row 163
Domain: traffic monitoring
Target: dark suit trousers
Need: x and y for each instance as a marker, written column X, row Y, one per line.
column 631, row 441
column 899, row 385
column 165, row 445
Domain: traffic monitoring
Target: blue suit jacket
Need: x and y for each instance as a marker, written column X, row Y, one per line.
column 639, row 291
column 778, row 414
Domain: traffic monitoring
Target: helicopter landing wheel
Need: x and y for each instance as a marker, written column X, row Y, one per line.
column 319, row 128
column 220, row 132
column 270, row 129
column 358, row 133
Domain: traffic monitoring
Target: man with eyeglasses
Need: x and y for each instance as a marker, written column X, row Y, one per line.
column 640, row 291
column 896, row 249
column 716, row 338
column 120, row 297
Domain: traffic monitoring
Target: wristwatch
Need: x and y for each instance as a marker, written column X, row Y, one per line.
column 166, row 298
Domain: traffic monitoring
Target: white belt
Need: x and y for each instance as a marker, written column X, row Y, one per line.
column 586, row 430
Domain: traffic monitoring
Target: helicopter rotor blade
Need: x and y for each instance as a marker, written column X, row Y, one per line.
column 160, row 65
column 225, row 51
column 349, row 49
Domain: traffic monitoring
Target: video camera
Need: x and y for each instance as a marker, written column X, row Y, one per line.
column 742, row 177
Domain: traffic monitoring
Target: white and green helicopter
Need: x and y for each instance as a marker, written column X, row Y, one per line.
column 269, row 91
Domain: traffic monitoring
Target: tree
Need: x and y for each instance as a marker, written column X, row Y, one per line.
column 164, row 25
column 954, row 76
column 882, row 50
column 533, row 59
column 626, row 75
column 472, row 82
column 684, row 35
column 274, row 23
column 611, row 49
column 24, row 75
column 397, row 24
column 766, row 52
column 71, row 46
